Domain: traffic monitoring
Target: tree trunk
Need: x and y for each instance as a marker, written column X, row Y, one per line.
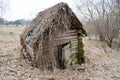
column 109, row 43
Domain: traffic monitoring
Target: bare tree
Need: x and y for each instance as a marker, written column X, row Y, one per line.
column 118, row 11
column 102, row 15
column 3, row 6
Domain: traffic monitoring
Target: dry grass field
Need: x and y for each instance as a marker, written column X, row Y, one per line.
column 102, row 63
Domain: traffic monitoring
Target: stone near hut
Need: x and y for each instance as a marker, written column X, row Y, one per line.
column 54, row 39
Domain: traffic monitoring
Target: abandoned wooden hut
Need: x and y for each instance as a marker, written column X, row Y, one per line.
column 54, row 38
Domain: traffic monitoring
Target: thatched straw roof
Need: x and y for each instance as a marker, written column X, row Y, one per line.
column 41, row 38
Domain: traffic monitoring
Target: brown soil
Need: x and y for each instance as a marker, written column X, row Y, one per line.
column 101, row 63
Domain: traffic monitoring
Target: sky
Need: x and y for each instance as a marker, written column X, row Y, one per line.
column 28, row 9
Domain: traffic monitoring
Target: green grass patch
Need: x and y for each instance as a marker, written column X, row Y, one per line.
column 8, row 35
column 117, row 40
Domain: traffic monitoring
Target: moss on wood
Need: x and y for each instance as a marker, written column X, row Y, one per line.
column 80, row 53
